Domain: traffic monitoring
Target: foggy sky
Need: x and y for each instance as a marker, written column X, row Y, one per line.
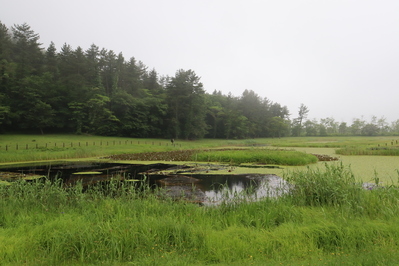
column 338, row 57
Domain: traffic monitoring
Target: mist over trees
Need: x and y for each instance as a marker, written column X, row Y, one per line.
column 96, row 91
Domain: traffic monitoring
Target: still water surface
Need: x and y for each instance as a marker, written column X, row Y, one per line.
column 209, row 189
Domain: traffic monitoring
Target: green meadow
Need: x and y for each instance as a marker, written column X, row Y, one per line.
column 326, row 219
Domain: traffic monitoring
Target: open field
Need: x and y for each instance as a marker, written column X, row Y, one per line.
column 328, row 219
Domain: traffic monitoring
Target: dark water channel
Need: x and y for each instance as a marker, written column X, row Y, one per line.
column 178, row 181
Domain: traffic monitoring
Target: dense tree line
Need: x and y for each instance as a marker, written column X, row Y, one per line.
column 359, row 127
column 97, row 91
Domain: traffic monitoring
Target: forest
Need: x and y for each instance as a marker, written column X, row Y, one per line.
column 97, row 91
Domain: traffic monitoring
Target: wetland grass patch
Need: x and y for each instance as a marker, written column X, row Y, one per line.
column 257, row 156
column 333, row 185
column 379, row 151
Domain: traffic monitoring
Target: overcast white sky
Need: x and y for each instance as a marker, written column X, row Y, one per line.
column 338, row 57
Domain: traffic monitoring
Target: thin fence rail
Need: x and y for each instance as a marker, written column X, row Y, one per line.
column 18, row 146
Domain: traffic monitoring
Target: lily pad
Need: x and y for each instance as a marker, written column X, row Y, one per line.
column 87, row 173
column 33, row 177
column 11, row 176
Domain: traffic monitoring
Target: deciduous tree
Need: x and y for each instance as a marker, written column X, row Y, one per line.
column 302, row 115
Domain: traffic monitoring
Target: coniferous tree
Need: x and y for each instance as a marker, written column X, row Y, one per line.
column 185, row 96
column 93, row 77
column 6, row 71
column 27, row 53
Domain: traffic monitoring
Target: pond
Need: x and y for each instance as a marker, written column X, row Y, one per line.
column 177, row 181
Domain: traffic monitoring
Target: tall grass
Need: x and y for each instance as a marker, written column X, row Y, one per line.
column 334, row 185
column 322, row 221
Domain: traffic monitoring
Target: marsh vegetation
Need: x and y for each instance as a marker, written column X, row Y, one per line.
column 328, row 217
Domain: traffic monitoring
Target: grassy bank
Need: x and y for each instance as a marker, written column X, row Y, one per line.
column 16, row 148
column 335, row 142
column 327, row 219
column 381, row 151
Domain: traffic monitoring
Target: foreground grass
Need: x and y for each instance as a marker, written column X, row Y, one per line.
column 325, row 220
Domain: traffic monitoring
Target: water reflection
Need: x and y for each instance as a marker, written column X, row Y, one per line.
column 258, row 187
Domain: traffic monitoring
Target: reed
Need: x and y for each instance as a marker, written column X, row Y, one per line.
column 334, row 185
